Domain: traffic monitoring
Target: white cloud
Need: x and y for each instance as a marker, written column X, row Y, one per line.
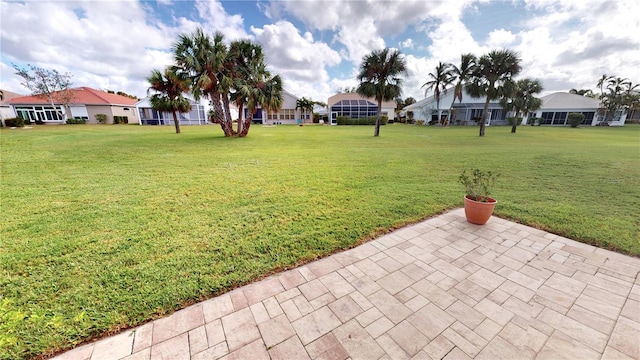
column 406, row 44
column 500, row 38
column 215, row 17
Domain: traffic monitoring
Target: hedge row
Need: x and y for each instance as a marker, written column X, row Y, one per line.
column 370, row 120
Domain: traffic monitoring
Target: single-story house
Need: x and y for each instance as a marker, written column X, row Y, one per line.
column 85, row 104
column 554, row 111
column 354, row 106
column 287, row 114
column 557, row 106
column 149, row 116
column 465, row 112
column 6, row 112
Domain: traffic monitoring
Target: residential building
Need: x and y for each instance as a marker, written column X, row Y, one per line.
column 467, row 112
column 355, row 106
column 557, row 106
column 288, row 114
column 6, row 112
column 85, row 104
column 150, row 116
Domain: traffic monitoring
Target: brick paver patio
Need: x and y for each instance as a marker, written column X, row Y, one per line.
column 439, row 289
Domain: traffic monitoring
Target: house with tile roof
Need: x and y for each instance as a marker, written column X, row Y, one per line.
column 85, row 104
column 6, row 112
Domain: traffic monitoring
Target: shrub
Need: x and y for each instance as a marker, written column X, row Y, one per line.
column 120, row 119
column 535, row 121
column 478, row 184
column 76, row 121
column 511, row 119
column 419, row 122
column 371, row 120
column 575, row 119
column 101, row 118
column 14, row 122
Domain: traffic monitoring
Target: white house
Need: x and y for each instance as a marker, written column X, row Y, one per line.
column 554, row 111
column 287, row 114
column 149, row 116
column 465, row 112
column 557, row 106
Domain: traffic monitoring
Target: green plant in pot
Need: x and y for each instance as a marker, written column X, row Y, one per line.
column 478, row 205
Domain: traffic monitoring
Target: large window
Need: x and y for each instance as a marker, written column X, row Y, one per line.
column 287, row 114
column 560, row 118
column 39, row 113
column 355, row 108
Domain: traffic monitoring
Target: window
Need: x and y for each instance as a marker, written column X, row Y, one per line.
column 547, row 118
column 272, row 116
column 287, row 114
column 355, row 108
column 40, row 113
column 560, row 118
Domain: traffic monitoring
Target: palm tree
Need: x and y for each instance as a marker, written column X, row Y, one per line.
column 305, row 105
column 261, row 89
column 462, row 74
column 169, row 87
column 242, row 57
column 520, row 98
column 438, row 82
column 379, row 78
column 203, row 59
column 492, row 72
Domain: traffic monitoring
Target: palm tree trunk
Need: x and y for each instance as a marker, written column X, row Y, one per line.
column 247, row 124
column 220, row 115
column 484, row 116
column 377, row 130
column 176, row 122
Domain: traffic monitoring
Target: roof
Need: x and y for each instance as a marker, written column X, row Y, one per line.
column 81, row 95
column 562, row 100
column 8, row 95
column 355, row 96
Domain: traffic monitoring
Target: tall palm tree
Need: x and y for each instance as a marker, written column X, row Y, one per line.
column 520, row 98
column 242, row 57
column 169, row 87
column 438, row 82
column 379, row 78
column 462, row 74
column 261, row 89
column 203, row 59
column 492, row 72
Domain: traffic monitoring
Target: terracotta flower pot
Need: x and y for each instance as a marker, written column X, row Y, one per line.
column 478, row 212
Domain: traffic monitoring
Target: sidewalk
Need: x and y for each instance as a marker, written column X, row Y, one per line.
column 439, row 289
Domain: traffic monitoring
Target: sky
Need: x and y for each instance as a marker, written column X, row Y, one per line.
column 317, row 46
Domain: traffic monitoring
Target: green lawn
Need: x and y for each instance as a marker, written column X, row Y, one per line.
column 105, row 227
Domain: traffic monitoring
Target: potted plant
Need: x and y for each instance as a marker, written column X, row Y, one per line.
column 478, row 206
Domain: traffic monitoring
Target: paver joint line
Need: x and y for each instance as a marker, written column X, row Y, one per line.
column 442, row 288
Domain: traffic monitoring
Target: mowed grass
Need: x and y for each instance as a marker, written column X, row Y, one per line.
column 106, row 227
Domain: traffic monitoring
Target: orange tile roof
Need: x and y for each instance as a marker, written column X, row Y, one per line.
column 82, row 95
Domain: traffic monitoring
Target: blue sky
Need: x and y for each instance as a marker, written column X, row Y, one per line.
column 317, row 46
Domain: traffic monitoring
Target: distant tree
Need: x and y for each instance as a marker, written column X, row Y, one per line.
column 169, row 88
column 306, row 105
column 462, row 74
column 582, row 92
column 438, row 82
column 620, row 97
column 49, row 85
column 379, row 78
column 492, row 72
column 519, row 97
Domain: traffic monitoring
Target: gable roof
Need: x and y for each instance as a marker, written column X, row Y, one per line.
column 8, row 95
column 81, row 95
column 562, row 100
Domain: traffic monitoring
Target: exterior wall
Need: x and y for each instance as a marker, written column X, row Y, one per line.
column 288, row 114
column 129, row 111
column 79, row 111
column 92, row 110
column 6, row 112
